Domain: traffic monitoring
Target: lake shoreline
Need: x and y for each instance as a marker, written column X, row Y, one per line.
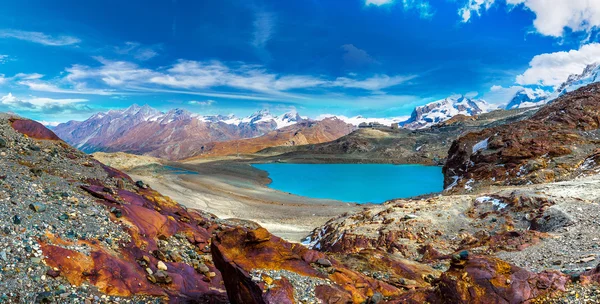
column 231, row 189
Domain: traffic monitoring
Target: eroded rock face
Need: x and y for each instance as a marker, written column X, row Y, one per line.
column 255, row 263
column 559, row 142
column 75, row 222
column 489, row 280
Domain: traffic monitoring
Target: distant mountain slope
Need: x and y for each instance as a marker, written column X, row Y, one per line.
column 526, row 98
column 442, row 110
column 142, row 130
column 423, row 146
column 303, row 133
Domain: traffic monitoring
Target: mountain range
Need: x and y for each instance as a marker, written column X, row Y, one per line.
column 179, row 134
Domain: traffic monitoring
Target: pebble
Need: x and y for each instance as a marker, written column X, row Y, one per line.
column 161, row 265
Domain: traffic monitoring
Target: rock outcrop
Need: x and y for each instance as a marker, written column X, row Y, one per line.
column 559, row 142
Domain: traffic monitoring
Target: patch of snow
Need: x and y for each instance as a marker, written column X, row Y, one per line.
column 498, row 204
column 468, row 185
column 314, row 244
column 482, row 145
column 454, row 183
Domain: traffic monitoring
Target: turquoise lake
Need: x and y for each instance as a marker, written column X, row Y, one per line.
column 357, row 183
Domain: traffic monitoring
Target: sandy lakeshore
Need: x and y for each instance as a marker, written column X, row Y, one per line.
column 237, row 190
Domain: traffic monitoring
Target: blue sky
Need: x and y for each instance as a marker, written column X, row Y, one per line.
column 62, row 60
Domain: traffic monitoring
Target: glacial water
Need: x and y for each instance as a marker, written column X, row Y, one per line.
column 357, row 183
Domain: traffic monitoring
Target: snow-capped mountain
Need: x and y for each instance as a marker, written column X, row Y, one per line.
column 357, row 120
column 527, row 97
column 590, row 74
column 262, row 116
column 442, row 110
column 147, row 130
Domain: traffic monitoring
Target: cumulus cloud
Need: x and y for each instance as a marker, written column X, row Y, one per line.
column 38, row 37
column 552, row 17
column 3, row 59
column 474, row 6
column 552, row 69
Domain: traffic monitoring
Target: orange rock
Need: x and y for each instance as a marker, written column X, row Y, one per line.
column 236, row 254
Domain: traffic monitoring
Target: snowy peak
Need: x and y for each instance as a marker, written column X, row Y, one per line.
column 359, row 119
column 526, row 98
column 590, row 74
column 442, row 110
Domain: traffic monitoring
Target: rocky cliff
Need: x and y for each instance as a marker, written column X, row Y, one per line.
column 559, row 142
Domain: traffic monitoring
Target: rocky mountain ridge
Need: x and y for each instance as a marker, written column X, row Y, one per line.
column 559, row 142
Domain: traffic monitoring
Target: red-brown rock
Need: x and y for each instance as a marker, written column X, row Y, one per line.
column 33, row 129
column 236, row 255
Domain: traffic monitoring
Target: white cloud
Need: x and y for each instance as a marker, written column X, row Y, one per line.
column 552, row 69
column 44, row 86
column 552, row 17
column 43, row 104
column 138, row 51
column 378, row 2
column 38, row 37
column 264, row 27
column 43, row 101
column 474, row 6
column 202, row 103
column 200, row 75
column 423, row 7
column 3, row 59
column 375, row 83
column 49, row 123
column 501, row 95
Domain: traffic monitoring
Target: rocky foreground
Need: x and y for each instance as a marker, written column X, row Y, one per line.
column 76, row 231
